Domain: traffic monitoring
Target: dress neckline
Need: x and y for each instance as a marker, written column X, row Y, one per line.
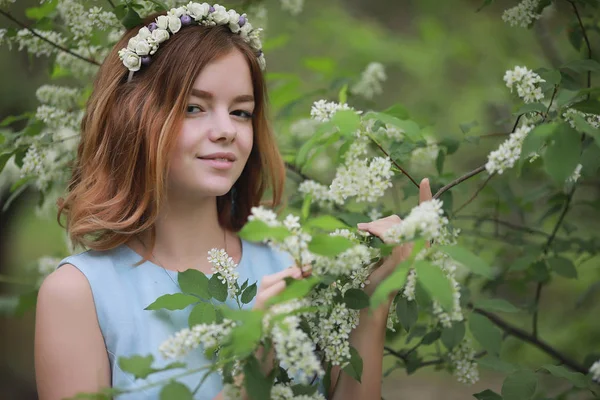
column 135, row 257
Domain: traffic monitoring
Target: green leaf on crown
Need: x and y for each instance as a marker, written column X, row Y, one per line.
column 177, row 301
column 175, row 391
column 327, row 245
column 141, row 366
column 486, row 333
column 257, row 231
column 194, row 282
column 520, row 385
column 471, row 261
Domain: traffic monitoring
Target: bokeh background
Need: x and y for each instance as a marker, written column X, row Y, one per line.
column 444, row 63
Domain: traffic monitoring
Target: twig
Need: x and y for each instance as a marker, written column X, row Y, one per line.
column 295, row 170
column 550, row 104
column 394, row 162
column 526, row 337
column 58, row 46
column 587, row 42
column 504, row 223
column 111, row 3
column 474, row 194
column 459, row 180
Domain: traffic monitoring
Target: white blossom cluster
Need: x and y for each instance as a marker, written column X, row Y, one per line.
column 370, row 81
column 525, row 81
column 82, row 69
column 186, row 340
column 426, row 220
column 295, row 350
column 392, row 318
column 463, row 362
column 58, row 96
column 366, row 180
column 304, row 128
column 575, row 175
column 345, row 263
column 522, row 14
column 509, row 152
column 323, row 111
column 232, row 391
column 332, row 331
column 225, row 267
column 294, row 7
column 284, row 392
column 424, row 157
column 4, row 3
column 56, row 118
column 410, row 285
column 595, row 371
column 592, row 119
column 2, row 35
column 36, row 46
column 290, row 307
column 265, row 215
column 35, row 165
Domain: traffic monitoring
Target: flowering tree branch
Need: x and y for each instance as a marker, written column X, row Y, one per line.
column 504, row 223
column 459, row 180
column 393, row 162
column 58, row 46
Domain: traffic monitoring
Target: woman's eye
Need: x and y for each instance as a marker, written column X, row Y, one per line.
column 243, row 114
column 192, row 109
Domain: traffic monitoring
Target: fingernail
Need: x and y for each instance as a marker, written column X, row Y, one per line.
column 361, row 225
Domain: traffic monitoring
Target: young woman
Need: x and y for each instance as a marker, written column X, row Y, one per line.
column 175, row 151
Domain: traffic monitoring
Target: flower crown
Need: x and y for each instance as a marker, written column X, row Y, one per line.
column 146, row 42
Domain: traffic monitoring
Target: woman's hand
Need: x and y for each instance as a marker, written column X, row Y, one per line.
column 400, row 252
column 272, row 285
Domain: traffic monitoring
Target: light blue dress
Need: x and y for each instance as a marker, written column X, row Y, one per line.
column 121, row 291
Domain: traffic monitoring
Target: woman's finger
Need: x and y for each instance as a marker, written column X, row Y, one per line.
column 266, row 294
column 270, row 280
column 425, row 191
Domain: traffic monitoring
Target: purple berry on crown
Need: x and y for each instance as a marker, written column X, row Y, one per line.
column 152, row 26
column 146, row 60
column 211, row 9
column 242, row 21
column 185, row 20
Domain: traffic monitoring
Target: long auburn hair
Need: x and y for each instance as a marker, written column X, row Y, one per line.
column 130, row 129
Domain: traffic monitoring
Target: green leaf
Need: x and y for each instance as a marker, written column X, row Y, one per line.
column 131, row 19
column 395, row 281
column 474, row 263
column 295, row 288
column 487, row 394
column 407, row 312
column 451, row 337
column 356, row 299
column 524, row 262
column 257, row 385
column 202, row 313
column 304, row 390
column 217, row 288
column 486, row 333
column 245, row 337
column 398, row 111
column 563, row 267
column 249, row 293
column 581, row 66
column 194, row 282
column 520, row 385
column 496, row 305
column 177, row 301
column 410, row 128
column 531, row 107
column 435, row 283
column 140, row 367
column 355, row 367
column 431, row 337
column 343, row 94
column 38, row 13
column 496, row 364
column 327, row 223
column 257, row 231
column 583, row 126
column 306, row 207
column 326, row 245
column 590, row 106
column 346, row 121
column 576, row 378
column 175, row 391
column 562, row 154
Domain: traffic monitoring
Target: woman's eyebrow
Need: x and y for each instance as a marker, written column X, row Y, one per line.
column 202, row 94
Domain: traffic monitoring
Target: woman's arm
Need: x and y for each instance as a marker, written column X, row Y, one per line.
column 70, row 355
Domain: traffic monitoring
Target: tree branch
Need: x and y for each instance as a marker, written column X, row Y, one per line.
column 111, row 3
column 394, row 162
column 459, row 180
column 504, row 223
column 474, row 194
column 58, row 46
column 587, row 42
column 526, row 337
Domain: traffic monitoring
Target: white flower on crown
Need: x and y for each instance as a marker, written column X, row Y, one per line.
column 142, row 48
column 144, row 33
column 160, row 35
column 220, row 15
column 162, row 21
column 174, row 23
column 177, row 12
column 234, row 21
column 197, row 10
column 130, row 59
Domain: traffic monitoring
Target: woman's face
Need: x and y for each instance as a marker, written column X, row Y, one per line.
column 217, row 134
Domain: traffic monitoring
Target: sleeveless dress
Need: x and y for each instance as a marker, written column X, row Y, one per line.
column 121, row 291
